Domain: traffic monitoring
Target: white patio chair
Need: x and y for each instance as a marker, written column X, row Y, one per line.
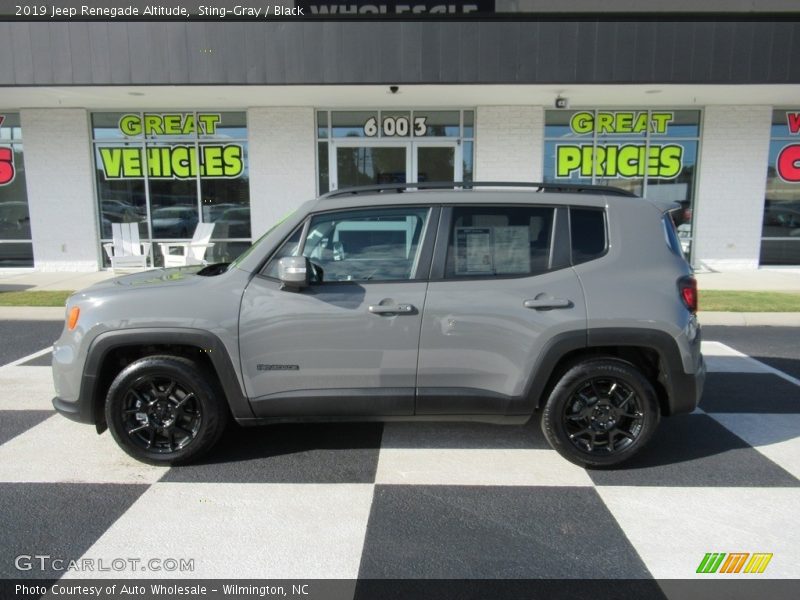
column 193, row 252
column 126, row 251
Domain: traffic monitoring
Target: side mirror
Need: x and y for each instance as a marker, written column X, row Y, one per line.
column 294, row 272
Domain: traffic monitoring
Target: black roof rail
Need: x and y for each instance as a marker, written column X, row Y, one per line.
column 466, row 185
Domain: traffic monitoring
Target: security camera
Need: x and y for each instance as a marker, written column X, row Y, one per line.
column 561, row 102
column 394, row 88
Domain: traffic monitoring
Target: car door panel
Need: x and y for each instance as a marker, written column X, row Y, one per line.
column 482, row 336
column 340, row 347
column 479, row 337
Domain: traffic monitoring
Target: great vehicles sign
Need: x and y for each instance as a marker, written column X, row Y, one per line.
column 623, row 159
column 162, row 158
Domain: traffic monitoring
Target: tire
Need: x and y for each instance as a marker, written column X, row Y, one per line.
column 164, row 410
column 599, row 402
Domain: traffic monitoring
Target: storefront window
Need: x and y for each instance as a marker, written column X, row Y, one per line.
column 170, row 171
column 652, row 153
column 16, row 249
column 366, row 147
column 780, row 235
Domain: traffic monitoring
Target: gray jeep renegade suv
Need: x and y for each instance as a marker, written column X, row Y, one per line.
column 474, row 302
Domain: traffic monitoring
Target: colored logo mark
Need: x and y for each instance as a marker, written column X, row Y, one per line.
column 734, row 562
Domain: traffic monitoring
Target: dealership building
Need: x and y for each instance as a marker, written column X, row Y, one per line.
column 237, row 122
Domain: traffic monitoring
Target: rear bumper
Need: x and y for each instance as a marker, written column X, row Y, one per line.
column 687, row 389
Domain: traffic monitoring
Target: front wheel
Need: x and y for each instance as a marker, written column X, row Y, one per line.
column 600, row 413
column 163, row 410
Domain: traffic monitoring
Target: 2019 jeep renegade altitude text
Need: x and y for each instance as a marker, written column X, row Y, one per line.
column 482, row 303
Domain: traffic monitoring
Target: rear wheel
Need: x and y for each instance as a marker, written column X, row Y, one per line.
column 600, row 413
column 163, row 410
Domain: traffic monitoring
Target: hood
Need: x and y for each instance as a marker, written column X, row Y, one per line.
column 171, row 276
column 149, row 279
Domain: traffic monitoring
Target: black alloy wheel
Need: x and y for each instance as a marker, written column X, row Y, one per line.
column 160, row 414
column 165, row 410
column 601, row 412
column 604, row 415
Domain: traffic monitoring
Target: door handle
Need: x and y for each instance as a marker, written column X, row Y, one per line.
column 546, row 302
column 391, row 309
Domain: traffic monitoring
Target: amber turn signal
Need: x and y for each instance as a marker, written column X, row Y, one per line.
column 72, row 318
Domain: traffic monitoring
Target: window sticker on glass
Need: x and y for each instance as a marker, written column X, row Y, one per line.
column 474, row 250
column 512, row 249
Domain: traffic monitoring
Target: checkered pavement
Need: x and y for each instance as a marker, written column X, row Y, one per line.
column 406, row 500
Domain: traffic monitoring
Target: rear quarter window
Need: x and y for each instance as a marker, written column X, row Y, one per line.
column 587, row 234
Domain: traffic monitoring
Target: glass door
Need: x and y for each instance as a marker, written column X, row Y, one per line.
column 359, row 163
column 363, row 163
column 436, row 161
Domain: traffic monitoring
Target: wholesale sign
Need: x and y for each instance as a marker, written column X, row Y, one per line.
column 788, row 162
column 627, row 160
column 171, row 160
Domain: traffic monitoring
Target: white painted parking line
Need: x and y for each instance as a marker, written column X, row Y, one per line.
column 25, row 359
column 26, row 388
column 673, row 528
column 776, row 436
column 60, row 450
column 270, row 531
column 722, row 358
column 477, row 467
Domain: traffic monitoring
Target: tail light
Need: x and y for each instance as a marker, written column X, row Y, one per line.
column 688, row 290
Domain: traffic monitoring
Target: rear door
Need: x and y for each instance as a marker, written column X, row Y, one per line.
column 501, row 288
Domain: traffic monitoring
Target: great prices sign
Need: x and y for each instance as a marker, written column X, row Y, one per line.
column 626, row 160
column 787, row 164
column 162, row 159
column 7, row 170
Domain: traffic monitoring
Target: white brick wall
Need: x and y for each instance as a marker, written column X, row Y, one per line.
column 509, row 141
column 282, row 163
column 731, row 180
column 61, row 198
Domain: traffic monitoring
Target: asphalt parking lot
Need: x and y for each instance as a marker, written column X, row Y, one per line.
column 397, row 501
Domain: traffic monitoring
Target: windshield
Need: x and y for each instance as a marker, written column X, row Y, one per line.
column 255, row 244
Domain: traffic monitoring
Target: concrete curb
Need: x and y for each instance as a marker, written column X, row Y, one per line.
column 744, row 319
column 32, row 313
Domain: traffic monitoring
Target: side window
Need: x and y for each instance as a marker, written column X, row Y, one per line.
column 361, row 245
column 588, row 234
column 499, row 241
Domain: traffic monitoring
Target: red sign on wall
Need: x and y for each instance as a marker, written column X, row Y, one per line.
column 6, row 161
column 6, row 165
column 788, row 163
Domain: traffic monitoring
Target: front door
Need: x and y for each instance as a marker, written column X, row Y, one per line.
column 348, row 344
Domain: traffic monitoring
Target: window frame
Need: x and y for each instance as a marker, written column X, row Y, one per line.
column 439, row 264
column 15, row 144
column 425, row 250
column 144, row 142
column 606, row 240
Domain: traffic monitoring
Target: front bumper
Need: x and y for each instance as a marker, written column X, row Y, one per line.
column 75, row 411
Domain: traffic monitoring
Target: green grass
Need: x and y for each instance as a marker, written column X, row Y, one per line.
column 731, row 301
column 710, row 300
column 41, row 298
